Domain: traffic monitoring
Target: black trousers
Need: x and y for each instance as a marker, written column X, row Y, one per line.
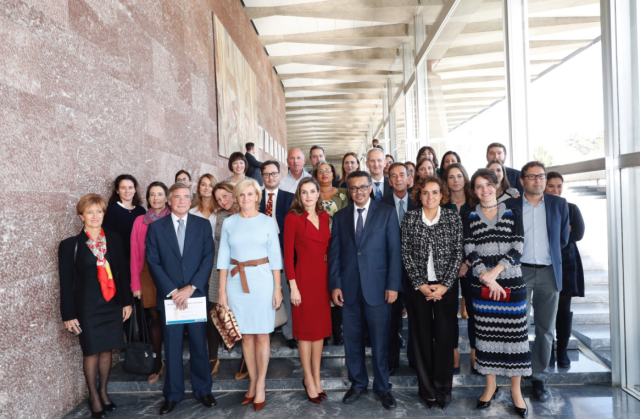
column 431, row 336
column 395, row 327
column 336, row 324
column 467, row 293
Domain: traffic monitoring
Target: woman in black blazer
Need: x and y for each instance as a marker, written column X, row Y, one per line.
column 95, row 298
column 572, row 273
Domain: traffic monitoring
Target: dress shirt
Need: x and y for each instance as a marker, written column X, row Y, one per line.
column 274, row 198
column 536, row 238
column 431, row 272
column 405, row 204
column 290, row 184
column 364, row 214
column 175, row 219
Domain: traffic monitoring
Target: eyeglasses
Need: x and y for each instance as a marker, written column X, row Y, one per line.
column 541, row 176
column 182, row 180
column 268, row 175
column 322, row 172
column 363, row 188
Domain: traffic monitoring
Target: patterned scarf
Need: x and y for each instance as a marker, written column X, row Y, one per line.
column 151, row 215
column 99, row 249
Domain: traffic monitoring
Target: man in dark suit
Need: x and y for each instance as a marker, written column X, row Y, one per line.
column 375, row 163
column 365, row 270
column 401, row 201
column 546, row 232
column 497, row 151
column 275, row 203
column 254, row 164
column 179, row 251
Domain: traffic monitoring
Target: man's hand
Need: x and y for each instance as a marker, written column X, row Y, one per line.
column 336, row 296
column 181, row 296
column 390, row 296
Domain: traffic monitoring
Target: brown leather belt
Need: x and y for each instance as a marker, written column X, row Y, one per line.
column 240, row 268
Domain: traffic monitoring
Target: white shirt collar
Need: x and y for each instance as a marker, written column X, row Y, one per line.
column 435, row 220
column 175, row 218
column 267, row 192
column 366, row 207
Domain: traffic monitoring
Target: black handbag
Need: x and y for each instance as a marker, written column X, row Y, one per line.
column 139, row 356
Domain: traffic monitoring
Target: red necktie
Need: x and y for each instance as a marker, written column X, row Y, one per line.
column 270, row 205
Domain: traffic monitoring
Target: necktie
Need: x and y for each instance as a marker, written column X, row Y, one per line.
column 378, row 191
column 181, row 232
column 401, row 212
column 270, row 205
column 359, row 227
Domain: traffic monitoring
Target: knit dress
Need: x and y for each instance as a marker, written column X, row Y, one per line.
column 502, row 341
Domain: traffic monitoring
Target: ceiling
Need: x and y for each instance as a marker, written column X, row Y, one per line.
column 334, row 58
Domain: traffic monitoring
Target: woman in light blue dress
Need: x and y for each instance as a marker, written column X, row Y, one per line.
column 250, row 239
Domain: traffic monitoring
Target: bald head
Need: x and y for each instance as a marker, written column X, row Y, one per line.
column 296, row 161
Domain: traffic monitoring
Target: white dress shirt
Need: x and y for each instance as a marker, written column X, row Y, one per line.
column 431, row 272
column 364, row 214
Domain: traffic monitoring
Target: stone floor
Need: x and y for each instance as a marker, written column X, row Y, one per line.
column 579, row 402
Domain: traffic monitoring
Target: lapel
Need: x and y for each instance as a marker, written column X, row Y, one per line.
column 547, row 210
column 349, row 210
column 170, row 235
column 281, row 210
column 190, row 233
column 263, row 202
column 368, row 225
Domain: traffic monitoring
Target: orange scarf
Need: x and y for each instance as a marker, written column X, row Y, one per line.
column 99, row 249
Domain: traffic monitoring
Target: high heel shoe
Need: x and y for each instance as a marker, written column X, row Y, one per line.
column 431, row 403
column 247, row 400
column 323, row 395
column 96, row 415
column 520, row 411
column 483, row 405
column 109, row 407
column 215, row 367
column 316, row 399
column 153, row 378
column 259, row 406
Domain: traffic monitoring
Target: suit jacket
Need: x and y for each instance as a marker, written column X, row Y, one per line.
column 254, row 167
column 168, row 268
column 557, row 212
column 376, row 264
column 283, row 203
column 72, row 279
column 387, row 191
column 513, row 176
column 572, row 270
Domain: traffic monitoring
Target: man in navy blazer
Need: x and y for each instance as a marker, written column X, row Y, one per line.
column 179, row 251
column 254, row 165
column 365, row 271
column 546, row 231
column 280, row 204
column 497, row 151
column 376, row 163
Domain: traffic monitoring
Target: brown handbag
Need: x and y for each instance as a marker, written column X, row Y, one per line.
column 225, row 322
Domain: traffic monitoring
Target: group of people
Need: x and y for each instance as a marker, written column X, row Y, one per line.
column 345, row 254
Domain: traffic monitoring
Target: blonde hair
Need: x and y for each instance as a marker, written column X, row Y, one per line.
column 197, row 201
column 241, row 186
column 89, row 200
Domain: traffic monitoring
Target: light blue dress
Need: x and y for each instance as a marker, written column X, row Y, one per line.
column 245, row 239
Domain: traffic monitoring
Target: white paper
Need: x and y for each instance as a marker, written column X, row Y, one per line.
column 195, row 312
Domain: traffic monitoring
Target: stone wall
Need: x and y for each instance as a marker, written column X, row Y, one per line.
column 90, row 89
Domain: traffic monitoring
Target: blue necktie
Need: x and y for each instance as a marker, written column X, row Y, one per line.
column 401, row 212
column 181, row 232
column 359, row 226
column 378, row 191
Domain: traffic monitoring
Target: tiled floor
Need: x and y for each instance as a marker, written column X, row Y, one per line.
column 579, row 402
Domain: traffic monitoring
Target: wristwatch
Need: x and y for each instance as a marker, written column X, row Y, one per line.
column 194, row 287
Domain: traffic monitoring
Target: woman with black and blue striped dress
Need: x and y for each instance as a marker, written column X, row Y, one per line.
column 493, row 242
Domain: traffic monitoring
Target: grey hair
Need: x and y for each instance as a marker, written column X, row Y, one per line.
column 375, row 149
column 178, row 186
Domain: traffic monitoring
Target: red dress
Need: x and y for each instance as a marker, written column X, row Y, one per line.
column 312, row 318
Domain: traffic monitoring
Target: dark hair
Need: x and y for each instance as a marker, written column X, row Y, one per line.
column 492, row 145
column 116, row 184
column 234, row 157
column 444, row 156
column 355, row 156
column 152, row 185
column 504, row 185
column 398, row 164
column 423, row 161
column 297, row 207
column 315, row 147
column 433, row 153
column 389, row 155
column 410, row 163
column 529, row 165
column 484, row 174
column 320, row 163
column 375, row 140
column 446, row 197
column 422, row 182
column 175, row 179
column 249, row 146
column 554, row 175
column 267, row 163
column 359, row 173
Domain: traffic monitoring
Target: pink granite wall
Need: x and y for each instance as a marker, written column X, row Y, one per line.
column 90, row 89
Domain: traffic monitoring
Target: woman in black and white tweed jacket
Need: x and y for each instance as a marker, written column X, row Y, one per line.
column 432, row 243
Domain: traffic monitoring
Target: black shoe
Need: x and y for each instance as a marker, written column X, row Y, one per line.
column 292, row 343
column 392, row 370
column 388, row 402
column 484, row 405
column 168, row 406
column 520, row 411
column 208, row 400
column 352, row 395
column 109, row 407
column 540, row 391
column 431, row 403
column 96, row 415
column 443, row 405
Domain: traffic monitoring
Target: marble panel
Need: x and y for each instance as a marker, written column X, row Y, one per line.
column 19, row 50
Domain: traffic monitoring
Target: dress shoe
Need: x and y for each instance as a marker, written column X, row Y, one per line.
column 431, row 403
column 109, row 407
column 153, row 378
column 243, row 372
column 323, row 395
column 540, row 391
column 484, row 405
column 443, row 405
column 259, row 406
column 392, row 370
column 352, row 395
column 292, row 343
column 388, row 402
column 208, row 400
column 96, row 415
column 247, row 400
column 316, row 399
column 520, row 411
column 168, row 406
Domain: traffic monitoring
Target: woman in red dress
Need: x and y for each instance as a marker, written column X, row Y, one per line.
column 306, row 240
